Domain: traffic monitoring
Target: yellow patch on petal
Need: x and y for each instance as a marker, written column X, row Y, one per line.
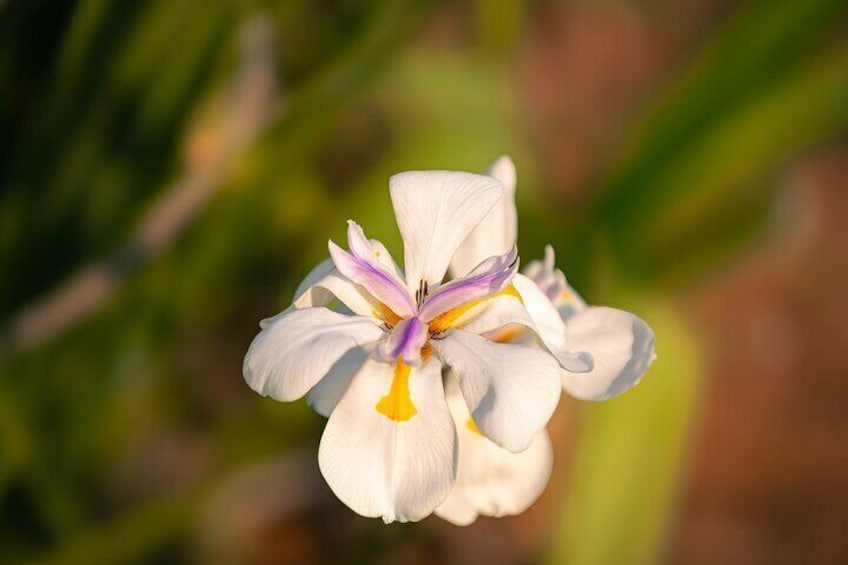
column 471, row 425
column 512, row 291
column 507, row 334
column 386, row 314
column 564, row 295
column 448, row 319
column 397, row 405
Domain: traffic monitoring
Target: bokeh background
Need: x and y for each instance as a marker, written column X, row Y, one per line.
column 170, row 169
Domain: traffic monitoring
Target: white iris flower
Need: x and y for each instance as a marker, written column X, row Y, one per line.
column 616, row 348
column 375, row 366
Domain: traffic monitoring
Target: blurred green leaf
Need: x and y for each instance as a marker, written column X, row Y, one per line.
column 131, row 539
column 627, row 467
column 97, row 395
column 314, row 105
column 449, row 111
column 758, row 46
column 499, row 23
column 697, row 196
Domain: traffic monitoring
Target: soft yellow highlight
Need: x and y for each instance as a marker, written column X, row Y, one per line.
column 450, row 318
column 564, row 295
column 397, row 405
column 512, row 291
column 507, row 334
column 471, row 425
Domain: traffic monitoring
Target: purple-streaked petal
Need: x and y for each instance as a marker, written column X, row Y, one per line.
column 367, row 271
column 386, row 259
column 406, row 340
column 490, row 277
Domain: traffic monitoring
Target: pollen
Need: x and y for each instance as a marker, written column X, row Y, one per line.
column 397, row 405
column 450, row 318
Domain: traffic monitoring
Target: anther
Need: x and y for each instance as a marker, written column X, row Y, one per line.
column 421, row 293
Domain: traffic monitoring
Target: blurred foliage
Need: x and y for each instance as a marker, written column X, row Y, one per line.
column 691, row 186
column 111, row 435
column 626, row 468
column 773, row 81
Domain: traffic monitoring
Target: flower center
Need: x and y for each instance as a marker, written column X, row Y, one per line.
column 408, row 344
column 405, row 341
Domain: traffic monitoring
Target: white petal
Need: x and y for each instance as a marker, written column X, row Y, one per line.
column 544, row 315
column 510, row 389
column 298, row 347
column 490, row 480
column 397, row 469
column 550, row 326
column 569, row 303
column 496, row 234
column 503, row 169
column 323, row 284
column 621, row 344
column 436, row 210
column 317, row 273
column 553, row 284
column 503, row 309
column 327, row 393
